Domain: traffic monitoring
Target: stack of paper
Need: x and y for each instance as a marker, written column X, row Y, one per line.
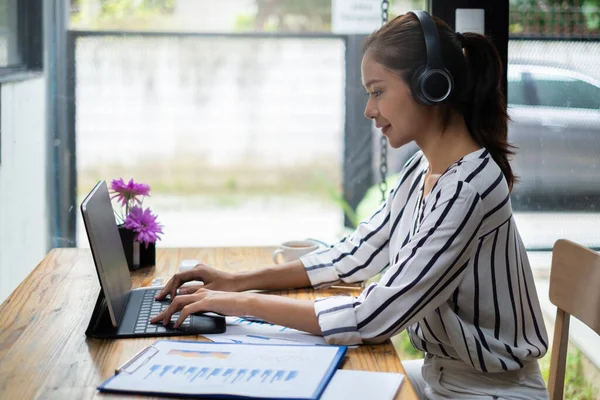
column 361, row 385
column 242, row 330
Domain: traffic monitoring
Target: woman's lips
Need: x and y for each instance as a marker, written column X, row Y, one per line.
column 385, row 129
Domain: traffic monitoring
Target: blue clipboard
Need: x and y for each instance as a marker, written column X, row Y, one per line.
column 184, row 369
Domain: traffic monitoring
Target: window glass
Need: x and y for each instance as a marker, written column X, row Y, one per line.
column 10, row 53
column 240, row 137
column 557, row 139
column 515, row 91
column 586, row 95
column 566, row 92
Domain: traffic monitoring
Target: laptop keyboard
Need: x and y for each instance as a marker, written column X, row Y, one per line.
column 149, row 309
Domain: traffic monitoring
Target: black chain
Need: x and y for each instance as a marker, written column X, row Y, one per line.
column 383, row 168
column 385, row 5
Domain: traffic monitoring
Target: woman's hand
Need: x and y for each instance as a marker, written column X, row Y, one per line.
column 293, row 313
column 212, row 279
column 225, row 303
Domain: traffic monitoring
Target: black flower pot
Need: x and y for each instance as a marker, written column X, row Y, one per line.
column 137, row 254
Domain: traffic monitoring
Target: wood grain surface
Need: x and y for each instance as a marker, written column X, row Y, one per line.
column 44, row 353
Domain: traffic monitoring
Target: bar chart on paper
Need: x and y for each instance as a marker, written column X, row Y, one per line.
column 209, row 375
column 244, row 370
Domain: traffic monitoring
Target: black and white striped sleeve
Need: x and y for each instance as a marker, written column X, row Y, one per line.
column 422, row 276
column 359, row 256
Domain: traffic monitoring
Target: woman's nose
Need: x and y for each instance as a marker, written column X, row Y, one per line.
column 371, row 111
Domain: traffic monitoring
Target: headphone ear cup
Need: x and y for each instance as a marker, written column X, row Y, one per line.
column 436, row 85
column 416, row 85
column 431, row 86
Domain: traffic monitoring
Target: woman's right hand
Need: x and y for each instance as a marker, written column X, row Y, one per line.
column 212, row 279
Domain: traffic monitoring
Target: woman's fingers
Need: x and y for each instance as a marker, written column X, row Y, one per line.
column 171, row 287
column 186, row 311
column 194, row 274
column 190, row 289
column 177, row 304
column 165, row 290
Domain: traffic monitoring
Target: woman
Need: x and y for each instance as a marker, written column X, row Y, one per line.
column 456, row 271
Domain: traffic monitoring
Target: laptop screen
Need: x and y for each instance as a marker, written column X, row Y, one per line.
column 107, row 250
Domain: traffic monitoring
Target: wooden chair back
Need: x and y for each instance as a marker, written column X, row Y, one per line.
column 574, row 290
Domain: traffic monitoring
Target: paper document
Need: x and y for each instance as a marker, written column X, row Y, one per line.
column 361, row 385
column 199, row 369
column 257, row 339
column 241, row 330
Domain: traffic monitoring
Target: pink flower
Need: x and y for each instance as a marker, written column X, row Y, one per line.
column 128, row 193
column 143, row 222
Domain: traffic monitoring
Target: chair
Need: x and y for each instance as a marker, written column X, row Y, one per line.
column 574, row 290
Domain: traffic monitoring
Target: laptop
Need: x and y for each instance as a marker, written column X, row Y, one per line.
column 121, row 312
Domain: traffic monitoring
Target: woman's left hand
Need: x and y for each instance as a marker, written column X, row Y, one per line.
column 203, row 300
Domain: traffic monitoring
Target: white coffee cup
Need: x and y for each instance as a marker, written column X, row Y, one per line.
column 293, row 250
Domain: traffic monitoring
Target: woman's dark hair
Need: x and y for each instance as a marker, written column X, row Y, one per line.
column 477, row 96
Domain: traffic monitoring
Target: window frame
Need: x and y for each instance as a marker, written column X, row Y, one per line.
column 29, row 41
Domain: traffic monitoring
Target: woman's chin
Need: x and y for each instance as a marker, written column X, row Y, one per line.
column 396, row 143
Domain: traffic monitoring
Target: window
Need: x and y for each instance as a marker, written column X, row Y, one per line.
column 586, row 95
column 20, row 37
column 516, row 90
column 10, row 53
column 566, row 92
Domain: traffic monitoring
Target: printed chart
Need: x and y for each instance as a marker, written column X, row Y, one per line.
column 246, row 370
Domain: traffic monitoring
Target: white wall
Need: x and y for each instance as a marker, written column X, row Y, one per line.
column 23, row 211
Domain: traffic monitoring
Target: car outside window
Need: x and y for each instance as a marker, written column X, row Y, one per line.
column 515, row 91
column 565, row 92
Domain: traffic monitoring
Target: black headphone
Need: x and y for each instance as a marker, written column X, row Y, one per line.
column 432, row 83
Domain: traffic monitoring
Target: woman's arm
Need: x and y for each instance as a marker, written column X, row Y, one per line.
column 425, row 273
column 358, row 257
column 287, row 276
column 293, row 313
column 291, row 275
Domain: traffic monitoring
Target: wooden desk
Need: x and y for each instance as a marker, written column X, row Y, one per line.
column 44, row 352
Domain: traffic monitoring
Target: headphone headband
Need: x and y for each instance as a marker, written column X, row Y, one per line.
column 432, row 39
column 431, row 83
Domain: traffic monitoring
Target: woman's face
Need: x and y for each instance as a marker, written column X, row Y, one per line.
column 391, row 104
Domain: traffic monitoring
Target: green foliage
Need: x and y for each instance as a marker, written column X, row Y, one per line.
column 243, row 22
column 184, row 175
column 371, row 201
column 576, row 386
column 404, row 348
column 120, row 14
column 287, row 15
column 298, row 16
column 347, row 208
column 591, row 10
column 122, row 8
column 554, row 17
column 231, row 184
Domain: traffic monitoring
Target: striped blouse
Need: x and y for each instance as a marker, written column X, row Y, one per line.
column 456, row 274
